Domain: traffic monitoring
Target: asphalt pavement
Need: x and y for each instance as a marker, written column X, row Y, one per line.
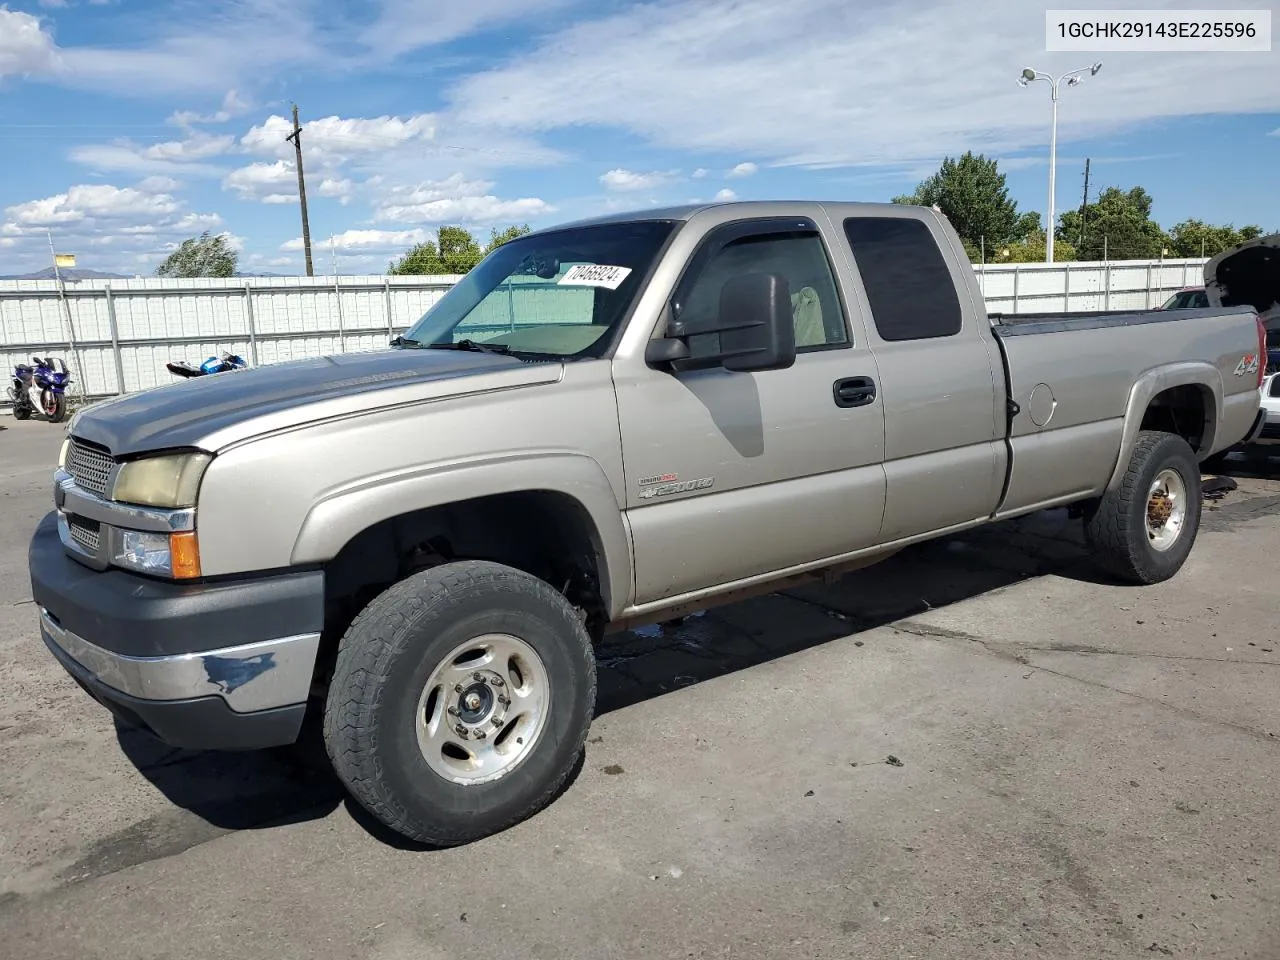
column 980, row 748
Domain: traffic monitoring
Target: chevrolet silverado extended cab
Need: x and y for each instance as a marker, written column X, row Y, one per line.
column 616, row 421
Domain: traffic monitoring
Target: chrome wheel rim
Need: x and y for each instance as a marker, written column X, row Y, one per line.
column 482, row 709
column 1166, row 510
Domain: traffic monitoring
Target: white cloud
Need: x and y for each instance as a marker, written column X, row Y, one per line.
column 1274, row 133
column 232, row 106
column 365, row 241
column 104, row 222
column 725, row 195
column 187, row 156
column 340, row 190
column 628, row 180
column 247, row 40
column 266, row 182
column 742, row 170
column 26, row 48
column 902, row 95
column 91, row 203
column 337, row 139
column 404, row 25
column 453, row 200
column 700, row 173
column 160, row 185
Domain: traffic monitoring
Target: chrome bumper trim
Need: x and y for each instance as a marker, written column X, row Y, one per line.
column 73, row 499
column 254, row 676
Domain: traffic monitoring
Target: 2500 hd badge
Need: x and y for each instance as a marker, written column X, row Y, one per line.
column 679, row 486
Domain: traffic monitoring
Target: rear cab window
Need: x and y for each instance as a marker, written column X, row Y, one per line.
column 909, row 286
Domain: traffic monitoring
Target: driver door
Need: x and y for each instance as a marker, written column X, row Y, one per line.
column 734, row 474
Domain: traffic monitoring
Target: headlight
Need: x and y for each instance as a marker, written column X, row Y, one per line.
column 168, row 481
column 175, row 555
column 62, row 453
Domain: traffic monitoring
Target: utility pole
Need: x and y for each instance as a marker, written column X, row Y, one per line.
column 296, row 138
column 1084, row 204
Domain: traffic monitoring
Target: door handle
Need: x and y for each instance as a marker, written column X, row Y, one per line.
column 854, row 391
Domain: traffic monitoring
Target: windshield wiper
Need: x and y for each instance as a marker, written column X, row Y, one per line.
column 405, row 342
column 471, row 345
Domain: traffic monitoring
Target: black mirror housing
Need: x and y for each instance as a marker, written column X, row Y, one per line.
column 755, row 324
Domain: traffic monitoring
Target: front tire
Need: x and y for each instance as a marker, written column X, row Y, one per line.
column 1144, row 529
column 55, row 406
column 460, row 701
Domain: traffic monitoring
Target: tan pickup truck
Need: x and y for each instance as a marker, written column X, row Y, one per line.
column 605, row 423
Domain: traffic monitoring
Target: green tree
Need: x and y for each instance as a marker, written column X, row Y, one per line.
column 972, row 194
column 420, row 259
column 454, row 251
column 202, row 256
column 497, row 239
column 1118, row 225
column 459, row 251
column 1031, row 249
column 1194, row 238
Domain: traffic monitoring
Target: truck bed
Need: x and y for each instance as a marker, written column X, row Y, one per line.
column 1023, row 324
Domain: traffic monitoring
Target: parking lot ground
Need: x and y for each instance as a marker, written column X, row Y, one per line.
column 1080, row 770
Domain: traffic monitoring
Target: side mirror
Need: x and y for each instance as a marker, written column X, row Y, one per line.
column 754, row 324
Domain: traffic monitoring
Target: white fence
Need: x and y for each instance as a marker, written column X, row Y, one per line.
column 126, row 330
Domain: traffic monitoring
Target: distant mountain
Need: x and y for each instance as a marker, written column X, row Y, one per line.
column 71, row 274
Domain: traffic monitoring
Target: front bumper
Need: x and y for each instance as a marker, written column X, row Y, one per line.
column 221, row 665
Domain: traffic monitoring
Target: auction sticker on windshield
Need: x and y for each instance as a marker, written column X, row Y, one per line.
column 595, row 275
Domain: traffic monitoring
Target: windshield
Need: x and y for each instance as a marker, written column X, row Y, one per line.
column 1185, row 299
column 558, row 294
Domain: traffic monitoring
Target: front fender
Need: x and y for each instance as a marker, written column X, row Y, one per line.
column 1155, row 381
column 349, row 510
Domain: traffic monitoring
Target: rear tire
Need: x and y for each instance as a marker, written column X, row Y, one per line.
column 398, row 696
column 1143, row 530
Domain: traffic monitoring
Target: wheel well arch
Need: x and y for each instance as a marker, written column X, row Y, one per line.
column 546, row 533
column 1180, row 398
column 1188, row 410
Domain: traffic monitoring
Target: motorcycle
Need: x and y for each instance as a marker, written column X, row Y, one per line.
column 219, row 364
column 40, row 389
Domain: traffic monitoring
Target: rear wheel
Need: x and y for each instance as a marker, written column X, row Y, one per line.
column 460, row 701
column 1143, row 530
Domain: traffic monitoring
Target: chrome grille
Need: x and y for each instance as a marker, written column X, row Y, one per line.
column 85, row 532
column 89, row 467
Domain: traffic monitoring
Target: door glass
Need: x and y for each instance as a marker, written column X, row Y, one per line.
column 801, row 259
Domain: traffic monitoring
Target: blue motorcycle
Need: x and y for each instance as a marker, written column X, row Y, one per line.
column 221, row 364
column 40, row 389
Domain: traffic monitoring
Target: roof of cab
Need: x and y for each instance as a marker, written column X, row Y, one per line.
column 729, row 208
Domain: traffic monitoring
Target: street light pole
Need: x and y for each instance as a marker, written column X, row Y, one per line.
column 1072, row 78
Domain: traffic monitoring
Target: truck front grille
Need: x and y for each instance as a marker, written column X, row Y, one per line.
column 85, row 532
column 89, row 466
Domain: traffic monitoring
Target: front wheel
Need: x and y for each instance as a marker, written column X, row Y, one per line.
column 55, row 406
column 1143, row 530
column 460, row 701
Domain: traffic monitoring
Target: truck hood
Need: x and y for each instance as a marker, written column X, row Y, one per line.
column 211, row 412
column 1248, row 275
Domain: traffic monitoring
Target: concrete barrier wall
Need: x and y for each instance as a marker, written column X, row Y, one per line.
column 126, row 330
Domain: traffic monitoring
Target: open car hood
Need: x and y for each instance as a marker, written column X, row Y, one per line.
column 1248, row 275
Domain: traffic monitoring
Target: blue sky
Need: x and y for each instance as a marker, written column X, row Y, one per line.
column 130, row 124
